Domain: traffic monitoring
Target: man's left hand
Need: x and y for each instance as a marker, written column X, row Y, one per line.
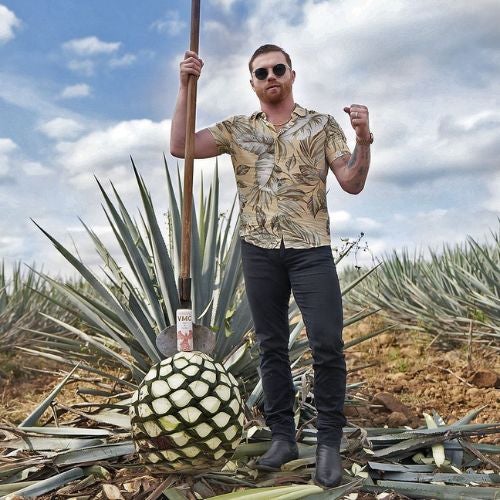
column 359, row 120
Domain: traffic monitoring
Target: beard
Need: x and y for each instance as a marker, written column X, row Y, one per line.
column 275, row 96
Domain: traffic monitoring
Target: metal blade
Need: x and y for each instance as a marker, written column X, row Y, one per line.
column 203, row 340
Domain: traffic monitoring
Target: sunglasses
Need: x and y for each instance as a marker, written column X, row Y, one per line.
column 278, row 70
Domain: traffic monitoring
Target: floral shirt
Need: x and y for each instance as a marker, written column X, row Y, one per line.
column 281, row 175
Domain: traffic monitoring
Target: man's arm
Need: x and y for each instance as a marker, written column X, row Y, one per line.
column 204, row 143
column 351, row 170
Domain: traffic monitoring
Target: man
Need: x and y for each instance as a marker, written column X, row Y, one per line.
column 281, row 157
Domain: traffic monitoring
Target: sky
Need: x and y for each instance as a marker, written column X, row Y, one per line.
column 86, row 85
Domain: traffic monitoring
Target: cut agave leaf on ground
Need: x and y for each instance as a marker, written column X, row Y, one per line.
column 173, row 494
column 408, row 446
column 49, row 444
column 297, row 464
column 467, row 419
column 340, row 492
column 432, row 491
column 5, row 489
column 390, row 435
column 400, row 467
column 95, row 453
column 46, row 485
column 66, row 431
column 112, row 418
column 40, row 410
column 452, row 449
column 272, row 493
column 431, row 477
column 438, row 448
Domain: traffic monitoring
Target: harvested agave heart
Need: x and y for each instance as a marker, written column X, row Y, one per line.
column 187, row 413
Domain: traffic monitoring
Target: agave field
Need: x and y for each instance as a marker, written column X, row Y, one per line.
column 453, row 295
column 98, row 334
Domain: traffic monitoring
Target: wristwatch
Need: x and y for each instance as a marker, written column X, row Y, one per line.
column 365, row 142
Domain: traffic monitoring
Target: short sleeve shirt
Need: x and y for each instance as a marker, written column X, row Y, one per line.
column 281, row 175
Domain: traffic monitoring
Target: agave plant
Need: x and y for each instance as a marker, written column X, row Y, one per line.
column 23, row 293
column 452, row 293
column 126, row 309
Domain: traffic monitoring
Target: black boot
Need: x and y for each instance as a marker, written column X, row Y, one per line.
column 278, row 454
column 328, row 466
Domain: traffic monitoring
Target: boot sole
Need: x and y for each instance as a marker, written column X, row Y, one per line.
column 267, row 468
column 317, row 483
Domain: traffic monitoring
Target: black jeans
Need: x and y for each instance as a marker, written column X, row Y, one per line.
column 270, row 276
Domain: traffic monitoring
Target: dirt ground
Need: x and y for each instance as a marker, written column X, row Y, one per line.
column 404, row 374
column 408, row 375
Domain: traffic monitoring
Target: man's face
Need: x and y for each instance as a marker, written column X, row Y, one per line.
column 273, row 89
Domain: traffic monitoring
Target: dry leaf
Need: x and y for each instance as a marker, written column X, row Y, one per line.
column 112, row 492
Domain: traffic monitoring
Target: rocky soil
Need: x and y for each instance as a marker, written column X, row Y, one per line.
column 405, row 374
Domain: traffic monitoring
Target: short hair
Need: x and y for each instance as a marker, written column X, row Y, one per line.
column 264, row 49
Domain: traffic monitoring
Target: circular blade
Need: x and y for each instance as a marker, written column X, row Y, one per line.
column 203, row 340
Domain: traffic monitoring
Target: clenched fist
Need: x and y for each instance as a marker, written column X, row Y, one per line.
column 359, row 120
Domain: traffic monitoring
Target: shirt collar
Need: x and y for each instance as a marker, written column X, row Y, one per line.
column 298, row 110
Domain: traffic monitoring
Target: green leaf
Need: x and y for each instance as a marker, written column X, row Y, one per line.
column 52, row 483
column 272, row 493
column 34, row 416
column 95, row 453
column 447, row 492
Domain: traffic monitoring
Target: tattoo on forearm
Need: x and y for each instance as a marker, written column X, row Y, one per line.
column 357, row 168
column 362, row 153
column 353, row 158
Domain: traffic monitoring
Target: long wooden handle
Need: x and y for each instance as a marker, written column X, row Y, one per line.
column 184, row 278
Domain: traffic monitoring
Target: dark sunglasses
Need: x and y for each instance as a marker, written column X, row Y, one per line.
column 278, row 70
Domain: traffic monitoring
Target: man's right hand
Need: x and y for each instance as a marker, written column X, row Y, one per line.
column 191, row 65
column 204, row 143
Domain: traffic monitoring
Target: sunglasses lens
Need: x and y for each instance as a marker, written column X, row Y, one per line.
column 279, row 69
column 261, row 73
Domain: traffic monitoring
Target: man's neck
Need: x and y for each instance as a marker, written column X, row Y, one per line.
column 278, row 112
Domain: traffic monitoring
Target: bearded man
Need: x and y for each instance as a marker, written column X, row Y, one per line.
column 281, row 156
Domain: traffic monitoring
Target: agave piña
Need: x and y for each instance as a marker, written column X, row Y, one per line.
column 187, row 413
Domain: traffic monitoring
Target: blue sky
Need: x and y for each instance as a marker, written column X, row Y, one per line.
column 83, row 85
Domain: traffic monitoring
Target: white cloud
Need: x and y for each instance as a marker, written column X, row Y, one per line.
column 493, row 202
column 7, row 147
column 344, row 224
column 35, row 169
column 125, row 60
column 224, row 4
column 340, row 216
column 430, row 98
column 431, row 114
column 368, row 223
column 28, row 94
column 62, row 128
column 106, row 152
column 8, row 24
column 13, row 160
column 85, row 67
column 170, row 24
column 11, row 245
column 90, row 46
column 78, row 90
